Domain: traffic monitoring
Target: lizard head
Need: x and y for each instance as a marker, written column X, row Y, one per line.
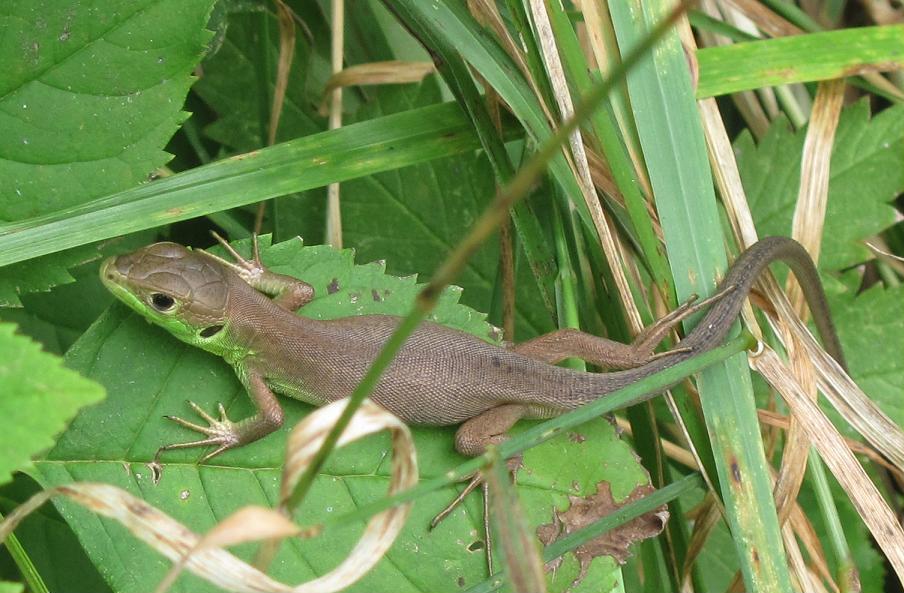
column 183, row 291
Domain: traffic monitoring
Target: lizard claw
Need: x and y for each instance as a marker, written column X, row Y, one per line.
column 251, row 270
column 223, row 432
column 513, row 463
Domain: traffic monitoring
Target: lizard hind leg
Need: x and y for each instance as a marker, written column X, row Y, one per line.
column 472, row 439
column 558, row 345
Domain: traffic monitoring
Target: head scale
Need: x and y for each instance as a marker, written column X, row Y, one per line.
column 184, row 291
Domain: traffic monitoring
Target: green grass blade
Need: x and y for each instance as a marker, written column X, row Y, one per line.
column 451, row 20
column 800, row 58
column 353, row 151
column 674, row 150
column 616, row 153
column 456, row 74
column 630, row 511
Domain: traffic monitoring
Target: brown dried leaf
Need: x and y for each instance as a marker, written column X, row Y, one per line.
column 615, row 542
column 388, row 72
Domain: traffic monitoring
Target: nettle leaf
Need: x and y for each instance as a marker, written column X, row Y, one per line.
column 871, row 327
column 148, row 373
column 236, row 66
column 866, row 174
column 90, row 92
column 41, row 274
column 39, row 397
column 420, row 213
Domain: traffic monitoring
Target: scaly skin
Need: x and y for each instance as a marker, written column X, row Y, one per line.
column 441, row 376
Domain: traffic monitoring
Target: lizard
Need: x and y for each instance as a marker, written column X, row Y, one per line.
column 246, row 314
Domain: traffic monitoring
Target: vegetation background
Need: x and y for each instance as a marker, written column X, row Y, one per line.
column 128, row 122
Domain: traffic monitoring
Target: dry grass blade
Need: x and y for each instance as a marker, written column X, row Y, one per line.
column 806, row 533
column 602, row 177
column 579, row 163
column 487, row 14
column 337, row 53
column 846, row 396
column 286, row 19
column 708, row 514
column 809, row 219
column 746, row 101
column 884, row 12
column 796, row 562
column 869, row 503
column 516, row 537
column 248, row 524
column 603, row 45
column 766, row 20
column 388, row 72
column 201, row 556
column 878, row 246
column 728, row 181
column 780, row 421
column 812, row 198
column 283, row 67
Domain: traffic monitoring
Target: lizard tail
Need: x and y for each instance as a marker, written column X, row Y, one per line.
column 719, row 319
column 715, row 325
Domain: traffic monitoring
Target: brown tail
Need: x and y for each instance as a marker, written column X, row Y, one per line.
column 718, row 321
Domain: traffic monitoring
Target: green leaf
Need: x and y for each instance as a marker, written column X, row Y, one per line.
column 799, row 58
column 40, row 274
column 313, row 161
column 417, row 214
column 865, row 175
column 89, row 95
column 57, row 318
column 148, row 374
column 865, row 320
column 234, row 67
column 6, row 587
column 39, row 397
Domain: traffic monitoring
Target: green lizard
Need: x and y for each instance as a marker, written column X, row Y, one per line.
column 441, row 376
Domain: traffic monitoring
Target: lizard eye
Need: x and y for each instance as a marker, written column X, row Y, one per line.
column 162, row 302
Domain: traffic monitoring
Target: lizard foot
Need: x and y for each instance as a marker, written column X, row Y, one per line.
column 221, row 432
column 476, row 480
column 251, row 271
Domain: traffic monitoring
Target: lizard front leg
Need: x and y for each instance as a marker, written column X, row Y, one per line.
column 226, row 434
column 289, row 293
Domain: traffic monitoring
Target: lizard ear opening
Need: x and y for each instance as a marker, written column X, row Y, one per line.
column 210, row 331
